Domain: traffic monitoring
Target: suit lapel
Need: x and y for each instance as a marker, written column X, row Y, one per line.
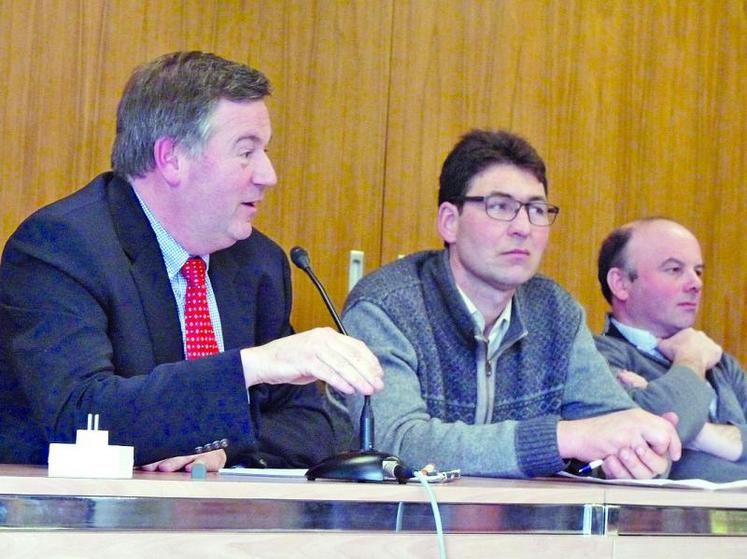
column 612, row 331
column 148, row 272
column 232, row 294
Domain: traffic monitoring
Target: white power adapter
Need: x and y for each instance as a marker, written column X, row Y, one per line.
column 91, row 455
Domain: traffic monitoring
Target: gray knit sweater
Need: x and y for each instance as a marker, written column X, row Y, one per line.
column 412, row 317
column 677, row 388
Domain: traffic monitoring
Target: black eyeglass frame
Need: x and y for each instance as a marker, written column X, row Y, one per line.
column 552, row 210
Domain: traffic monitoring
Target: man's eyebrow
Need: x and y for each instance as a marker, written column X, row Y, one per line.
column 249, row 138
column 678, row 262
column 537, row 198
column 253, row 139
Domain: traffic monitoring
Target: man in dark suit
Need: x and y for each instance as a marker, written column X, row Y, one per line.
column 92, row 294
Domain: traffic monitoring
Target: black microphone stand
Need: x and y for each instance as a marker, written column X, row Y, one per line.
column 365, row 464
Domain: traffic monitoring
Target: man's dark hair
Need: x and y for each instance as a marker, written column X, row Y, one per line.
column 174, row 96
column 612, row 255
column 478, row 150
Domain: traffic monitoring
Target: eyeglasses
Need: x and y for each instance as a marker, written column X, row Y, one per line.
column 505, row 208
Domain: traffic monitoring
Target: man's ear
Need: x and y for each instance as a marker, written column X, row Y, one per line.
column 448, row 222
column 168, row 160
column 619, row 283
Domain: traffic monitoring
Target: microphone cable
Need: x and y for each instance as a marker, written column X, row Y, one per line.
column 436, row 513
column 422, row 478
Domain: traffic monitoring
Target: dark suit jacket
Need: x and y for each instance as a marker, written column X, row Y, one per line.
column 89, row 325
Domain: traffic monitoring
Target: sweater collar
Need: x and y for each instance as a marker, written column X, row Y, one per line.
column 438, row 271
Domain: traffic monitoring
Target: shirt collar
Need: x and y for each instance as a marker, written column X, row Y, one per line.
column 643, row 340
column 174, row 254
column 501, row 323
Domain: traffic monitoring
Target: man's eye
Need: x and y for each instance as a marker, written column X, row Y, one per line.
column 538, row 210
column 501, row 205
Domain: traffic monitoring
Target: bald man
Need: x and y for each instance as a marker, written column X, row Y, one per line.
column 651, row 274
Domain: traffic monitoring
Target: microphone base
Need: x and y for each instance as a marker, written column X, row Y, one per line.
column 353, row 466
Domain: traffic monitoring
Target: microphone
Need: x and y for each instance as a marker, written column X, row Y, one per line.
column 301, row 259
column 367, row 464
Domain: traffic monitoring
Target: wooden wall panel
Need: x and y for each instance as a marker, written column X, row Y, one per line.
column 332, row 63
column 637, row 108
column 66, row 63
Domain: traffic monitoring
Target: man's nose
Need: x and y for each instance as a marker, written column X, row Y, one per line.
column 264, row 172
column 694, row 281
column 520, row 225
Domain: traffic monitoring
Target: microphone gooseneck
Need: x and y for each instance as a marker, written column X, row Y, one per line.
column 368, row 464
column 301, row 259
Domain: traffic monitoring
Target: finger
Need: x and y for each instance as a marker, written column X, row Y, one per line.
column 213, row 460
column 672, row 417
column 152, row 467
column 363, row 361
column 675, row 444
column 343, row 368
column 655, row 463
column 352, row 357
column 174, row 464
column 624, row 377
column 632, row 379
column 663, row 439
column 633, row 464
column 345, row 382
column 613, row 468
column 321, row 367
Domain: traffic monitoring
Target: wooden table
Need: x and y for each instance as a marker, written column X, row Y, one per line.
column 171, row 515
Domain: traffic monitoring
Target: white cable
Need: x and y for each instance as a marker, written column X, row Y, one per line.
column 436, row 514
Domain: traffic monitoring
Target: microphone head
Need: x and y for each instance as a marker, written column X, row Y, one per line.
column 300, row 258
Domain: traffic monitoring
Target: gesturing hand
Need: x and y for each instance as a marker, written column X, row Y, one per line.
column 320, row 354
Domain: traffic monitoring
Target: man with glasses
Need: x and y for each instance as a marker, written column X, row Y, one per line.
column 651, row 274
column 489, row 367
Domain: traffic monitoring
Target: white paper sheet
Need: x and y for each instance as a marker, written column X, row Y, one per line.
column 265, row 472
column 673, row 483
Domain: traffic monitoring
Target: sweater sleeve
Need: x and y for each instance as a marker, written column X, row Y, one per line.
column 731, row 379
column 591, row 389
column 676, row 389
column 404, row 427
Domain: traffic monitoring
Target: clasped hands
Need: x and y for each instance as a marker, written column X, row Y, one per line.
column 633, row 443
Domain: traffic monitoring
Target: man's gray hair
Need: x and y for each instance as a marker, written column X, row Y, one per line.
column 174, row 96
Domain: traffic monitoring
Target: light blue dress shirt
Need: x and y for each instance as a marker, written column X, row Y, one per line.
column 174, row 257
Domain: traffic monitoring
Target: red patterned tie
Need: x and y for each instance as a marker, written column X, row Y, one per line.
column 200, row 333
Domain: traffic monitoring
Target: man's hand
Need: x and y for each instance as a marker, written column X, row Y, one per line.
column 724, row 441
column 320, row 354
column 213, row 460
column 629, row 378
column 633, row 443
column 693, row 349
